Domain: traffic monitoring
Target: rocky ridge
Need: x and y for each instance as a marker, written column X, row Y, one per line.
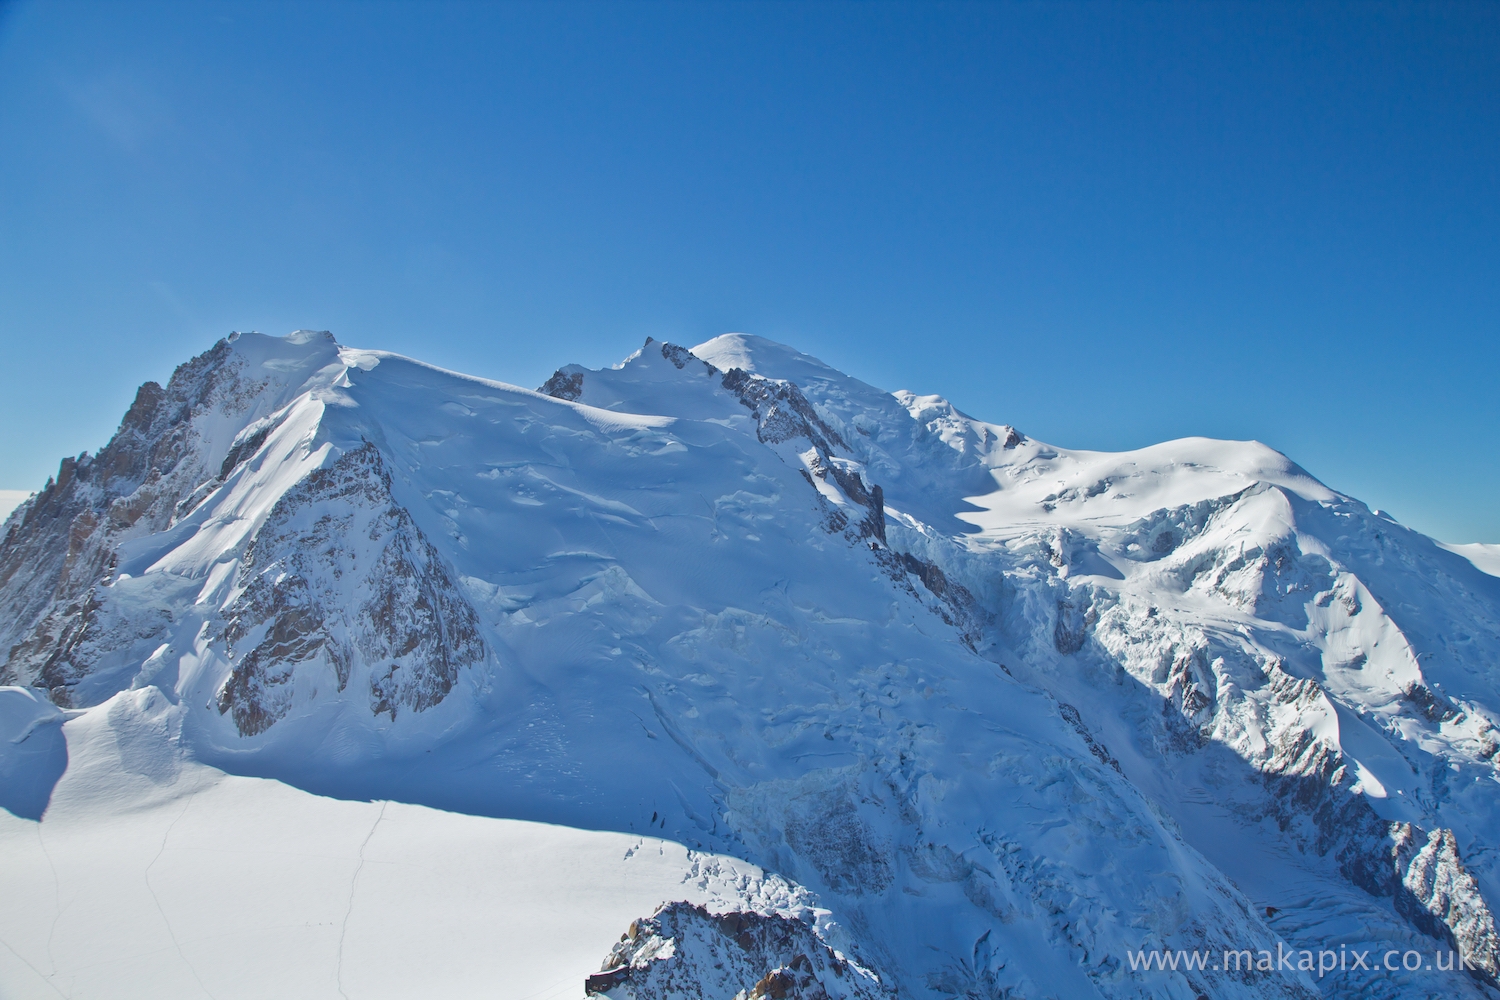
column 683, row 952
column 61, row 547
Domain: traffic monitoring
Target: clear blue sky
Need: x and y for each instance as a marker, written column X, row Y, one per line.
column 1105, row 224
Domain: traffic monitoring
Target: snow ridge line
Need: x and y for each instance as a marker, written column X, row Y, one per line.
column 349, row 909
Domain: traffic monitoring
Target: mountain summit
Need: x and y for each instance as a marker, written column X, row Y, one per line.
column 808, row 688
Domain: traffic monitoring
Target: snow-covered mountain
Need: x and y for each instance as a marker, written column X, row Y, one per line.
column 332, row 671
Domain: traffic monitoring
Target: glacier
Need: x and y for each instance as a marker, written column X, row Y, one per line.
column 720, row 673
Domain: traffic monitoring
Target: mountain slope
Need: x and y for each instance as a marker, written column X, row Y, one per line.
column 1008, row 712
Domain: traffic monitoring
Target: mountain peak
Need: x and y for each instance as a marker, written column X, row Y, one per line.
column 1010, row 712
column 762, row 356
column 309, row 336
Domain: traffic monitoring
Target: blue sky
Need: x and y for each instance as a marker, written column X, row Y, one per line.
column 1105, row 224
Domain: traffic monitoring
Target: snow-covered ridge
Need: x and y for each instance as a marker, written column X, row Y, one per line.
column 1004, row 712
column 1484, row 556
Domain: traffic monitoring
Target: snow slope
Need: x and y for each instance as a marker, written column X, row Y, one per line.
column 997, row 713
column 154, row 875
column 1484, row 556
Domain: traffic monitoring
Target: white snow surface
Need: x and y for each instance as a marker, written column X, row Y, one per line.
column 154, row 875
column 1034, row 727
column 1484, row 555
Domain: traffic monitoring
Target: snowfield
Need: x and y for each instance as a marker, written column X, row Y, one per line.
column 157, row 876
column 719, row 673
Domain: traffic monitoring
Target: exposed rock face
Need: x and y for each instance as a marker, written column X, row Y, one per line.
column 782, row 411
column 684, row 952
column 681, row 357
column 1312, row 799
column 1311, row 782
column 1434, row 890
column 1265, row 666
column 1219, row 690
column 563, row 385
column 784, row 414
column 949, row 600
column 1075, row 617
column 339, row 582
column 59, row 548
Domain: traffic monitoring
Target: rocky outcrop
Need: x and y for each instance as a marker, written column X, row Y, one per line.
column 681, row 357
column 564, row 385
column 684, row 952
column 340, row 584
column 782, row 414
column 1311, row 798
column 1221, row 689
column 1075, row 616
column 58, row 553
column 781, row 411
column 949, row 600
column 1216, row 692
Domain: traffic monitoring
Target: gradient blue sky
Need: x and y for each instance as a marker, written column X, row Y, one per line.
column 1105, row 224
